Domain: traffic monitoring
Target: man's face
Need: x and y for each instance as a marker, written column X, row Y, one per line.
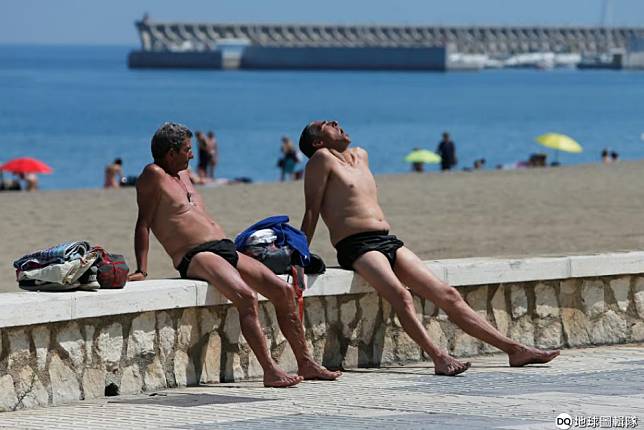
column 184, row 154
column 332, row 135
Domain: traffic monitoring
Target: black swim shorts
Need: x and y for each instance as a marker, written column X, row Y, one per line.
column 224, row 248
column 352, row 247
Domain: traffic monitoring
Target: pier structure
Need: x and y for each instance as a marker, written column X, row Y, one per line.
column 364, row 46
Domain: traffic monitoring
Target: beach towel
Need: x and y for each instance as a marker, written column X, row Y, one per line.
column 59, row 276
column 58, row 254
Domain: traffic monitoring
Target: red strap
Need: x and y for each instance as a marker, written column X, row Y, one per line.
column 298, row 293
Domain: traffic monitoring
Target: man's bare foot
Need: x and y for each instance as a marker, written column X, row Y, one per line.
column 528, row 355
column 280, row 379
column 313, row 371
column 449, row 366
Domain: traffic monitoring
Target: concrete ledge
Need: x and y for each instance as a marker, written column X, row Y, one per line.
column 27, row 308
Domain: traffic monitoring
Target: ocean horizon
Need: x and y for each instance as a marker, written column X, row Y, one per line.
column 79, row 107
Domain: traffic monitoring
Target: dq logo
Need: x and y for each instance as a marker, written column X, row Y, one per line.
column 564, row 421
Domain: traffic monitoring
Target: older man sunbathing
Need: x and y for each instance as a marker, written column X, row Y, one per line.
column 339, row 186
column 175, row 212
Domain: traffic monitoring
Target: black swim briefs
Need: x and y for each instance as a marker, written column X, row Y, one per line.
column 224, row 248
column 352, row 247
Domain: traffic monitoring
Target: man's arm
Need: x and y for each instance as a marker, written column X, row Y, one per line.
column 147, row 196
column 316, row 177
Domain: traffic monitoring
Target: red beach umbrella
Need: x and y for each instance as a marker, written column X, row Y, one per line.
column 25, row 165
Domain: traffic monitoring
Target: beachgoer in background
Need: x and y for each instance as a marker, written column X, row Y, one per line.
column 479, row 164
column 418, row 166
column 447, row 151
column 204, row 155
column 113, row 174
column 339, row 186
column 31, row 181
column 606, row 156
column 213, row 150
column 289, row 159
column 614, row 157
column 170, row 206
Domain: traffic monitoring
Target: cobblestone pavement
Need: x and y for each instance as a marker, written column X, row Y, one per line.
column 598, row 387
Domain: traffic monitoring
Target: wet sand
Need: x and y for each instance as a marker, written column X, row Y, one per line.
column 552, row 211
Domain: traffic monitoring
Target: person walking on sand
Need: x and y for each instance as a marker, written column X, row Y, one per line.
column 339, row 186
column 113, row 174
column 170, row 206
column 213, row 150
column 447, row 151
column 288, row 161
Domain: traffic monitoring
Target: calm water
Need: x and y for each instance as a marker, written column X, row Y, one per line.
column 78, row 108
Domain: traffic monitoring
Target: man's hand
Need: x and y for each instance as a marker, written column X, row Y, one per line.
column 136, row 276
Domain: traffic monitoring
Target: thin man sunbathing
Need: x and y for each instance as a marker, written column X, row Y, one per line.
column 171, row 207
column 339, row 186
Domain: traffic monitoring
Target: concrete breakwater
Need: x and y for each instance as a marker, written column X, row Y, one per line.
column 375, row 47
column 57, row 348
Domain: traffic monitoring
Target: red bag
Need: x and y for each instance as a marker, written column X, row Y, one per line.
column 112, row 270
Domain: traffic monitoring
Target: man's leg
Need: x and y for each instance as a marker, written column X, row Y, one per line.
column 375, row 269
column 219, row 273
column 412, row 272
column 280, row 293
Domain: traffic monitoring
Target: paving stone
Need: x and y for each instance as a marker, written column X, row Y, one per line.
column 576, row 327
column 621, row 288
column 89, row 343
column 64, row 385
column 370, row 306
column 8, row 398
column 611, row 328
column 232, row 329
column 30, row 390
column 348, row 312
column 154, row 376
column 188, row 330
column 314, row 313
column 142, row 336
column 519, row 300
column 638, row 296
column 131, row 381
column 93, row 383
column 167, row 336
column 477, row 299
column 40, row 336
column 603, row 381
column 109, row 345
column 18, row 348
column 70, row 339
column 592, row 297
column 184, row 369
column 522, row 331
column 211, row 359
column 546, row 301
column 499, row 309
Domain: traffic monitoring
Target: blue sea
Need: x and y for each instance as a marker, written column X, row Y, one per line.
column 79, row 107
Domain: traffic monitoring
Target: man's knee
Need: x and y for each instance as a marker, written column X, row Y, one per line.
column 449, row 296
column 402, row 299
column 245, row 298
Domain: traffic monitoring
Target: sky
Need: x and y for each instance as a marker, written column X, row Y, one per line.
column 90, row 22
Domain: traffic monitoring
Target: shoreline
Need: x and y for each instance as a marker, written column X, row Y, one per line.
column 503, row 213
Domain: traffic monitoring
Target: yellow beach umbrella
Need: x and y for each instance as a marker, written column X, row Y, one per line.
column 559, row 142
column 422, row 156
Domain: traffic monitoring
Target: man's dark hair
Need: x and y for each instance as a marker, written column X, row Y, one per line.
column 169, row 136
column 118, row 161
column 308, row 136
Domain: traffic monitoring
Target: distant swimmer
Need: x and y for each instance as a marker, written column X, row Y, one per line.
column 113, row 174
column 339, row 186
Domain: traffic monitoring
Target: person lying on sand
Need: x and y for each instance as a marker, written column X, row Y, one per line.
column 339, row 186
column 170, row 206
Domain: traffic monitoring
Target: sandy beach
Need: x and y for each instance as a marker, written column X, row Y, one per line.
column 550, row 211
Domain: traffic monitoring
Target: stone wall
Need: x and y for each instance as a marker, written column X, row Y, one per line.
column 57, row 362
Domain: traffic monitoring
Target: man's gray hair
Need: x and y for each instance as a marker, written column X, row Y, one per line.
column 169, row 136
